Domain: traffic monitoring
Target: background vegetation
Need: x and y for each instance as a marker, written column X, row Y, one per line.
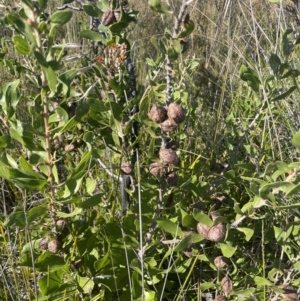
column 63, row 235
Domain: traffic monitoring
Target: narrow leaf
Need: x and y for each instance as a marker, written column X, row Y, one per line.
column 169, row 227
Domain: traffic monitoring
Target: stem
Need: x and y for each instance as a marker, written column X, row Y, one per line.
column 45, row 100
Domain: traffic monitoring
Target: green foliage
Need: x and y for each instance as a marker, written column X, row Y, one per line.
column 66, row 130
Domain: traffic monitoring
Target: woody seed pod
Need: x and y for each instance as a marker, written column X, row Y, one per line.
column 226, row 284
column 60, row 222
column 169, row 157
column 169, row 125
column 108, row 18
column 126, row 168
column 158, row 114
column 217, row 233
column 203, row 230
column 172, row 179
column 157, row 169
column 290, row 293
column 176, row 112
column 117, row 14
column 43, row 245
column 53, row 246
column 69, row 147
column 220, row 262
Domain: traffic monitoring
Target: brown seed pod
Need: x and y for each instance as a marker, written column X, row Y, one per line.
column 172, row 179
column 169, row 157
column 217, row 233
column 290, row 293
column 220, row 262
column 176, row 112
column 226, row 284
column 117, row 14
column 220, row 298
column 53, row 246
column 108, row 18
column 173, row 144
column 126, row 168
column 169, row 125
column 43, row 245
column 158, row 114
column 203, row 230
column 103, row 94
column 60, row 222
column 69, row 147
column 157, row 169
column 61, row 138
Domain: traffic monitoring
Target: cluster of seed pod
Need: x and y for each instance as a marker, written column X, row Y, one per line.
column 215, row 233
column 110, row 17
column 54, row 244
column 169, row 120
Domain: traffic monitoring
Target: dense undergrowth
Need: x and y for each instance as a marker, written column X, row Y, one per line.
column 211, row 211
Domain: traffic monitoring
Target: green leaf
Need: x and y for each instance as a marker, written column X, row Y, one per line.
column 188, row 29
column 42, row 4
column 82, row 167
column 91, row 10
column 250, row 76
column 71, row 214
column 285, row 94
column 281, row 235
column 247, row 231
column 51, row 282
column 21, row 45
column 61, row 17
column 49, row 262
column 189, row 221
column 283, row 186
column 261, row 281
column 296, row 140
column 118, row 27
column 185, row 243
column 169, row 227
column 202, row 218
column 274, row 62
column 227, row 249
column 17, row 218
column 246, row 292
column 86, row 284
column 172, row 54
column 91, row 202
column 97, row 105
column 92, row 35
column 157, row 7
column 207, row 285
column 5, row 142
column 293, row 191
